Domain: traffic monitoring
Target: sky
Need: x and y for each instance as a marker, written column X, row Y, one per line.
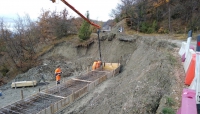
column 98, row 9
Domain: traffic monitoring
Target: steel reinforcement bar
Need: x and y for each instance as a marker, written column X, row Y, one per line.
column 52, row 100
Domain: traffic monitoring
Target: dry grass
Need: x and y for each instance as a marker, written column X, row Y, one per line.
column 51, row 45
column 180, row 36
column 73, row 39
column 83, row 43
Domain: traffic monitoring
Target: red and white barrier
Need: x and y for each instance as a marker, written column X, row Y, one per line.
column 188, row 59
column 190, row 73
column 182, row 49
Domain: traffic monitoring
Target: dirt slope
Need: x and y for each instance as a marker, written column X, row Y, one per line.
column 151, row 72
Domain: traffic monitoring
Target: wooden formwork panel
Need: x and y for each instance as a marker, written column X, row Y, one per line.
column 110, row 66
column 80, row 92
column 96, row 82
column 109, row 75
column 65, row 101
column 103, row 78
column 67, row 88
column 116, row 71
column 48, row 110
column 91, row 86
column 31, row 105
column 57, row 106
column 55, row 98
column 92, row 76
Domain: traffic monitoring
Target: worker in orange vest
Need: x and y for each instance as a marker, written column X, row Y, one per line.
column 58, row 73
column 94, row 66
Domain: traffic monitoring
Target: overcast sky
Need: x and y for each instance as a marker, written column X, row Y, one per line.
column 98, row 9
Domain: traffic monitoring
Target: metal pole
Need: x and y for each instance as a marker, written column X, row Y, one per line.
column 99, row 45
column 22, row 95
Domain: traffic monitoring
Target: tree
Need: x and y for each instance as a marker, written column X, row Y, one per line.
column 55, row 25
column 85, row 31
column 170, row 15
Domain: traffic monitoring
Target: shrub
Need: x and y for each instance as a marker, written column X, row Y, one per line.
column 169, row 101
column 168, row 110
column 85, row 31
column 148, row 28
column 4, row 70
column 144, row 27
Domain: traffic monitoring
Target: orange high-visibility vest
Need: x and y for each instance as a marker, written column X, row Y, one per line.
column 94, row 65
column 58, row 71
column 58, row 74
column 98, row 64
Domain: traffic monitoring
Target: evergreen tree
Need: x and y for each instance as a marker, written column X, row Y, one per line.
column 85, row 31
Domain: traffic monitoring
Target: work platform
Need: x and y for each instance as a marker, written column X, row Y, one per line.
column 52, row 100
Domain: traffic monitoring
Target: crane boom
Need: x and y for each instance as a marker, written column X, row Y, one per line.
column 159, row 3
column 86, row 19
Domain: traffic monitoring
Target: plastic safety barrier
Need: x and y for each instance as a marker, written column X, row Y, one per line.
column 188, row 102
column 191, row 71
column 182, row 50
column 188, row 59
column 184, row 56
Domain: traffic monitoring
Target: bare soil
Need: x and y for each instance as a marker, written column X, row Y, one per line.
column 151, row 71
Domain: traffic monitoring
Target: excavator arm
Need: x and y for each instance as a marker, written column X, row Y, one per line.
column 86, row 19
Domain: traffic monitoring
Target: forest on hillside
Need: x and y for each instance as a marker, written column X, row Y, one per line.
column 23, row 42
column 20, row 46
column 160, row 16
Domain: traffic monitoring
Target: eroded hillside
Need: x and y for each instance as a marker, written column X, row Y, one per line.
column 151, row 73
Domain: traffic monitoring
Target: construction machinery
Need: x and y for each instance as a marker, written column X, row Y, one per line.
column 86, row 19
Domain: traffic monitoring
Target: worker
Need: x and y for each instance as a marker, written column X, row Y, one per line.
column 98, row 64
column 58, row 73
column 94, row 66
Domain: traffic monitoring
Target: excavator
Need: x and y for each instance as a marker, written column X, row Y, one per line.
column 96, row 64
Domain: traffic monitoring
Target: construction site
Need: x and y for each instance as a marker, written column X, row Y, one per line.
column 149, row 74
column 51, row 100
column 139, row 74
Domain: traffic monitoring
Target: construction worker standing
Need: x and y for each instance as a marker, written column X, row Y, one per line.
column 58, row 73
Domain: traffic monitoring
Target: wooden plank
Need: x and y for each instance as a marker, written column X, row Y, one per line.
column 53, row 95
column 24, row 83
column 80, row 80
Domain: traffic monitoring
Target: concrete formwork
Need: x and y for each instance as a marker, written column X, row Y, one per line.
column 54, row 99
column 32, row 104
